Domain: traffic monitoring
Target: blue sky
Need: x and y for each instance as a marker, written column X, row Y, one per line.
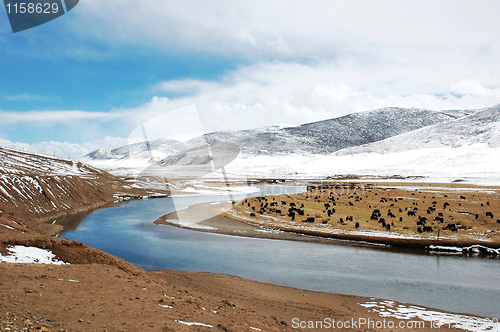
column 88, row 78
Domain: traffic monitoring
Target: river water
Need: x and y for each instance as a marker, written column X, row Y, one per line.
column 456, row 283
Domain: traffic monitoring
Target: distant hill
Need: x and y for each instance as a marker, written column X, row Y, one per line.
column 460, row 149
column 482, row 127
column 317, row 138
column 34, row 187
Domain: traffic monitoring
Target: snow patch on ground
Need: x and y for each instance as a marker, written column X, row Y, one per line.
column 22, row 254
column 475, row 249
column 476, row 163
column 190, row 225
column 441, row 319
column 193, row 323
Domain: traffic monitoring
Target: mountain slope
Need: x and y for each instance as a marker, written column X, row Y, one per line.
column 468, row 147
column 328, row 136
column 34, row 187
column 367, row 127
column 161, row 148
column 482, row 126
column 317, row 138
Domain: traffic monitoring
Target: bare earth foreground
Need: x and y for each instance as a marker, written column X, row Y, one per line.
column 100, row 292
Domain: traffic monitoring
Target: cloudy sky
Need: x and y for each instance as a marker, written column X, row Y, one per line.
column 88, row 78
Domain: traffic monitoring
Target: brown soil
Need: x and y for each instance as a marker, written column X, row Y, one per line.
column 97, row 297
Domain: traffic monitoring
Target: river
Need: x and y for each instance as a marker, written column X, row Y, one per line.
column 455, row 283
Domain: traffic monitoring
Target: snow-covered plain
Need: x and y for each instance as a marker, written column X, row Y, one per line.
column 22, row 254
column 476, row 163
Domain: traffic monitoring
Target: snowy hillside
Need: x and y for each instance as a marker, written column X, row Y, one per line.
column 324, row 137
column 318, row 138
column 480, row 127
column 463, row 149
column 21, row 163
column 38, row 186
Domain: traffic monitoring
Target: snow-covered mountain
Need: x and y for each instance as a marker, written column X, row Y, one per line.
column 390, row 141
column 328, row 136
column 482, row 127
column 317, row 138
column 161, row 147
column 463, row 148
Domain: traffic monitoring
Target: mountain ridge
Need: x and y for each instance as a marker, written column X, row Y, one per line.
column 321, row 137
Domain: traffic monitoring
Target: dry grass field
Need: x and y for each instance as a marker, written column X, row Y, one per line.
column 448, row 214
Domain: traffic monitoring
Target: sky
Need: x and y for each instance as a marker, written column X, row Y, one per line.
column 89, row 78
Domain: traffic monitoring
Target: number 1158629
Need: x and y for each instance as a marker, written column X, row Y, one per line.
column 31, row 8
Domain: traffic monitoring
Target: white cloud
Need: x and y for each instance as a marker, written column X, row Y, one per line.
column 55, row 116
column 474, row 88
column 315, row 27
column 270, row 93
column 66, row 150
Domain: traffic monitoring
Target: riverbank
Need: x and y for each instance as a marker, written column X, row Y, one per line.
column 96, row 297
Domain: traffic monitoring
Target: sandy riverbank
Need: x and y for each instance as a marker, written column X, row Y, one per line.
column 96, row 297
